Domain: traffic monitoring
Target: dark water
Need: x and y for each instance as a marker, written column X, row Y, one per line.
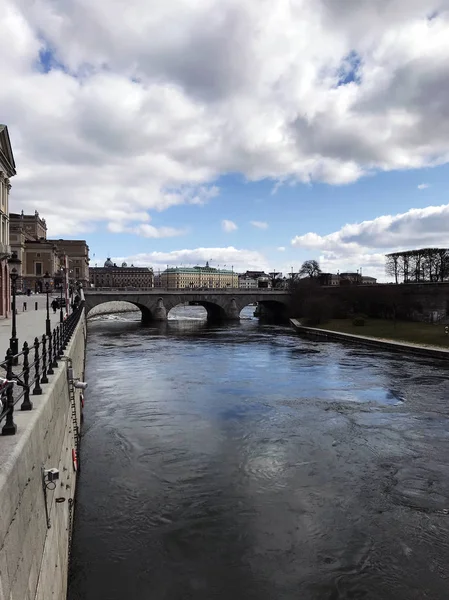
column 242, row 462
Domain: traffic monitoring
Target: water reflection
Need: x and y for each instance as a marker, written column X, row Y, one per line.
column 241, row 461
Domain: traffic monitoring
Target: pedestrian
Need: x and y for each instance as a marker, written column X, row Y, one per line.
column 54, row 305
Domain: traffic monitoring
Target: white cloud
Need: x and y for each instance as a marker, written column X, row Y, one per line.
column 259, row 224
column 228, row 226
column 423, row 186
column 151, row 107
column 281, row 248
column 365, row 244
column 239, row 259
column 145, row 230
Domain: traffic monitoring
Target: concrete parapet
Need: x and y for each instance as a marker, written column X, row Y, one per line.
column 33, row 557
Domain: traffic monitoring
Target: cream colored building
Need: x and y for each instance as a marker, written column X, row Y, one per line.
column 28, row 236
column 114, row 276
column 198, row 278
column 7, row 170
column 78, row 253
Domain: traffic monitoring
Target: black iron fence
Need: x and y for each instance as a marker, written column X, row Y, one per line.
column 37, row 361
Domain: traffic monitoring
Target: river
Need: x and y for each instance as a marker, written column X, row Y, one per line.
column 239, row 461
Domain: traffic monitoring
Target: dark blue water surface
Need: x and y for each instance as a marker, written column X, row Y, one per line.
column 243, row 462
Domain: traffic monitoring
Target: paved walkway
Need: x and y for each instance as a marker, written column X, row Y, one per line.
column 30, row 323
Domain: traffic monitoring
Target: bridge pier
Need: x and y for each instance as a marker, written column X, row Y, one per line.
column 160, row 312
column 232, row 311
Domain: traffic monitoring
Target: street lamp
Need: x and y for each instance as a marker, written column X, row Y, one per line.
column 14, row 262
column 61, row 314
column 47, row 280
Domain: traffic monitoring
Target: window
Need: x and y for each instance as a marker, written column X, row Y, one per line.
column 38, row 254
column 38, row 268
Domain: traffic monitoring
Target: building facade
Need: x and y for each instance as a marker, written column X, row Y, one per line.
column 198, row 278
column 28, row 235
column 77, row 252
column 113, row 276
column 254, row 279
column 332, row 279
column 39, row 255
column 7, row 170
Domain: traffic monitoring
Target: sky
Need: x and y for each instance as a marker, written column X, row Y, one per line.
column 250, row 133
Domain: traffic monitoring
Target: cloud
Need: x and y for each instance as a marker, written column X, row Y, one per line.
column 281, row 248
column 423, row 186
column 365, row 244
column 228, row 226
column 239, row 259
column 259, row 224
column 146, row 111
column 145, row 230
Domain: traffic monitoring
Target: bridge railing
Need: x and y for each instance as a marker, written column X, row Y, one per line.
column 37, row 362
column 186, row 290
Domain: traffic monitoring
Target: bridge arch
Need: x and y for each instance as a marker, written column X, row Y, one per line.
column 273, row 310
column 105, row 306
column 214, row 311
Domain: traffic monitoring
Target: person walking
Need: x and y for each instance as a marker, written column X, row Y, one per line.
column 54, row 305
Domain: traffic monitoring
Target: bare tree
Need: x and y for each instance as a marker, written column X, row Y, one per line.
column 310, row 268
column 421, row 265
column 275, row 279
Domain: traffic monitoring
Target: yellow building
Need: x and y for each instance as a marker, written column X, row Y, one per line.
column 198, row 278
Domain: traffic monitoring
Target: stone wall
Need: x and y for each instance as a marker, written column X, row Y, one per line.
column 33, row 557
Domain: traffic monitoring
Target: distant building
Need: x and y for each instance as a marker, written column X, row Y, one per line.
column 368, row 280
column 113, row 276
column 7, row 170
column 198, row 277
column 254, row 279
column 332, row 279
column 78, row 255
column 329, row 279
column 28, row 236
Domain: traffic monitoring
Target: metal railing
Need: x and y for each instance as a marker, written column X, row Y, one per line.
column 38, row 361
column 187, row 290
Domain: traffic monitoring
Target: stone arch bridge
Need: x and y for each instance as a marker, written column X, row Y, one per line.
column 156, row 303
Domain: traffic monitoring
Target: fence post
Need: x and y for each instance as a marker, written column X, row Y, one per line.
column 55, row 354
column 44, row 378
column 26, row 404
column 37, row 387
column 60, row 351
column 9, row 428
column 65, row 326
column 49, row 355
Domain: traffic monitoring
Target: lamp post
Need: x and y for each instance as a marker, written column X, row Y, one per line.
column 47, row 280
column 13, row 263
column 61, row 314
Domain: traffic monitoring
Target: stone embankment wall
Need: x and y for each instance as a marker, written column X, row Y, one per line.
column 111, row 308
column 33, row 557
column 379, row 343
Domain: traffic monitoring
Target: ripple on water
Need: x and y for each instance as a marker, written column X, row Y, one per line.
column 239, row 461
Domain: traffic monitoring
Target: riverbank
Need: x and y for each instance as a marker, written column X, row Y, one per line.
column 379, row 342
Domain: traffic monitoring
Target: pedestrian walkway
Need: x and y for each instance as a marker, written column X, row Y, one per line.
column 29, row 324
